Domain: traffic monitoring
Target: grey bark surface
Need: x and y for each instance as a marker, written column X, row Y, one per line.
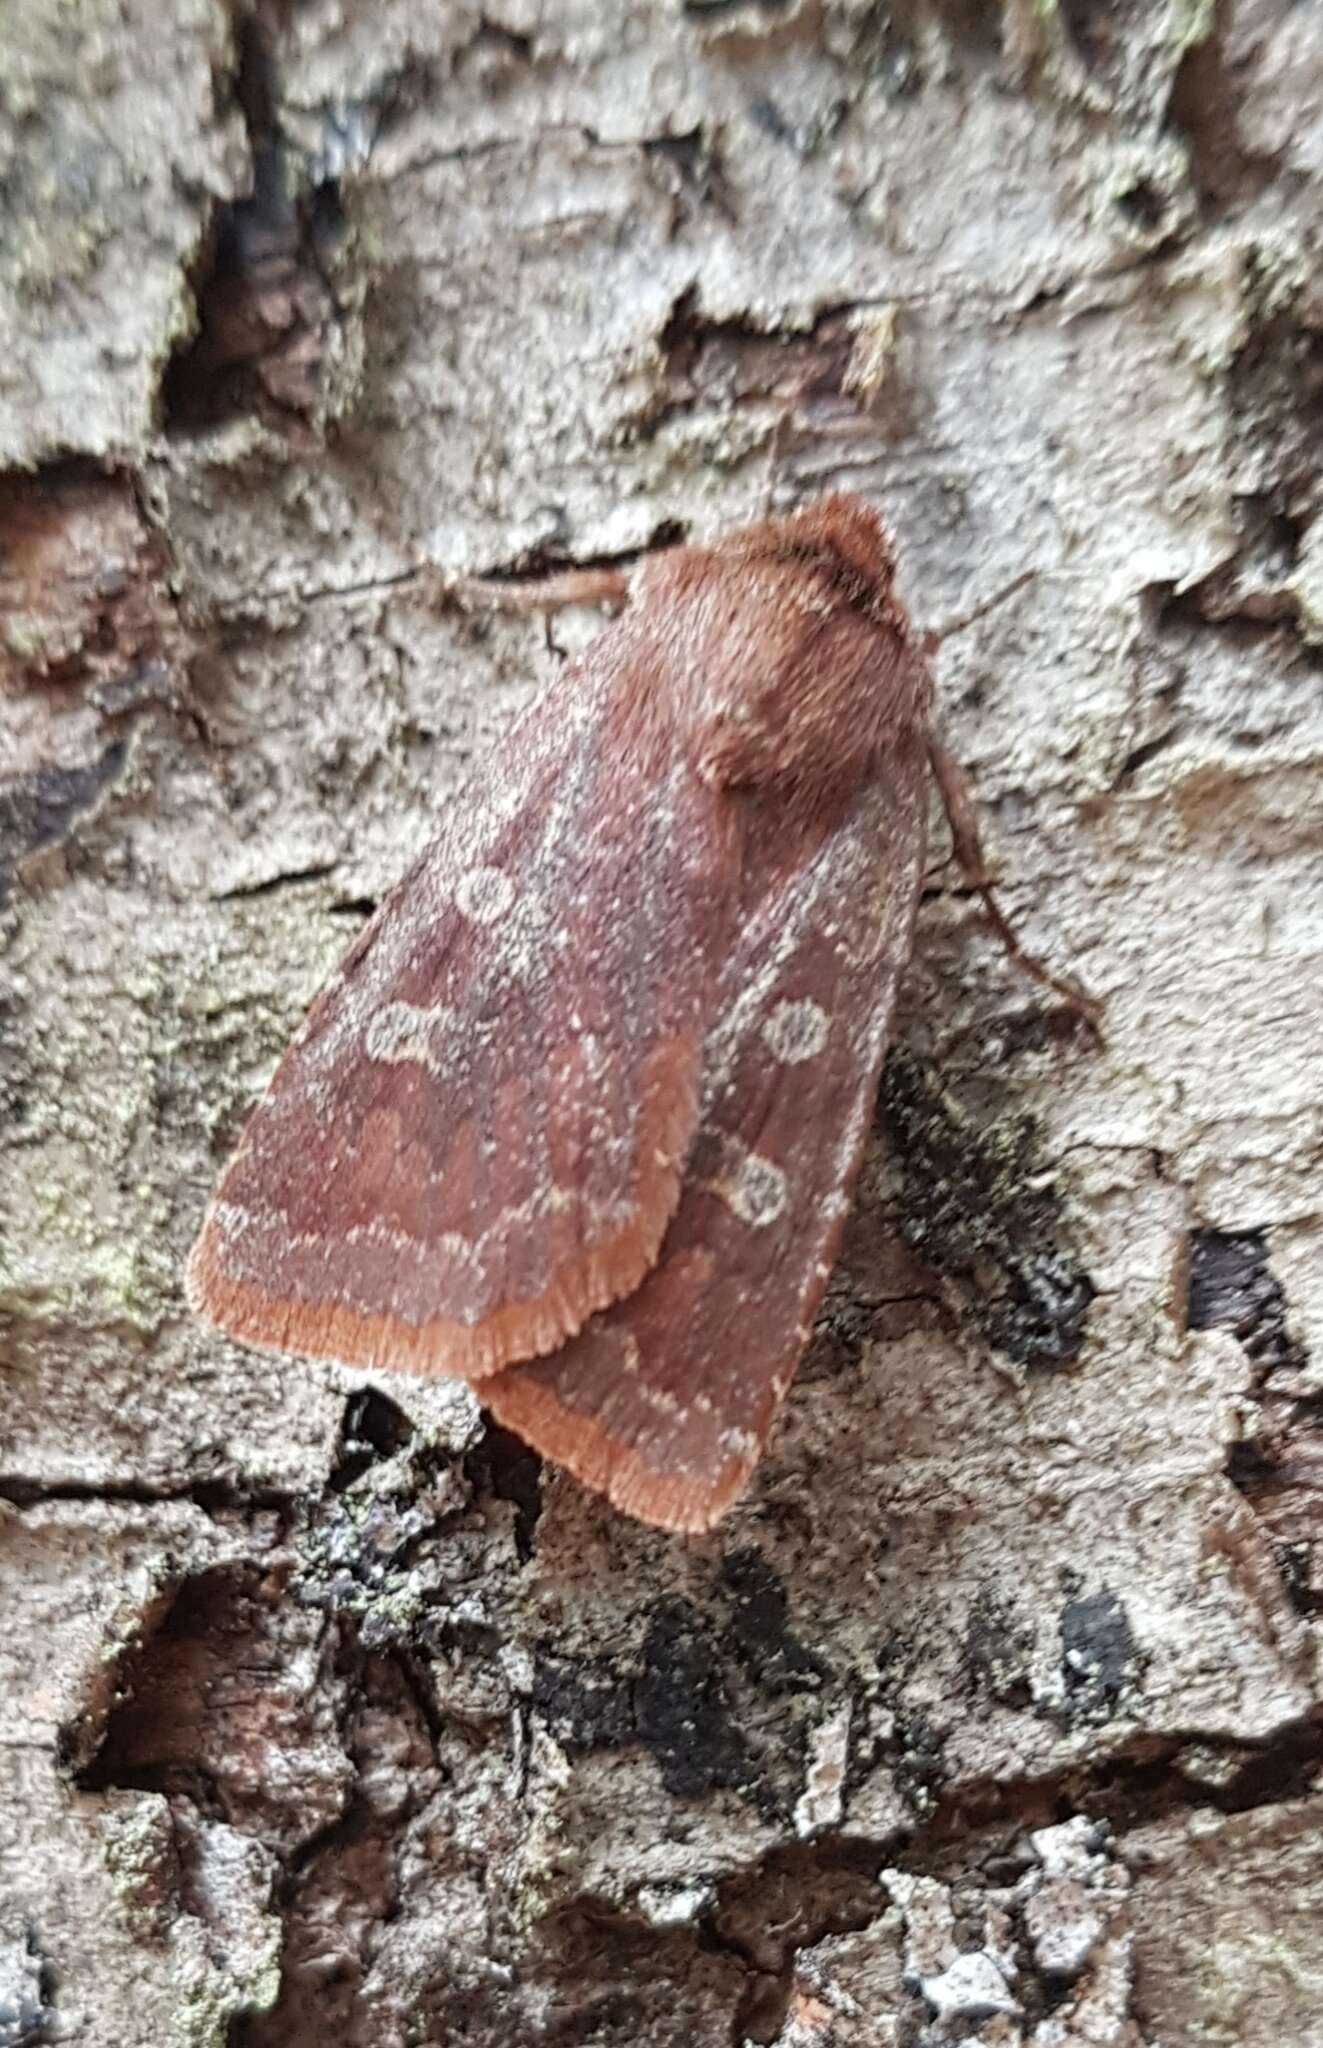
column 993, row 1713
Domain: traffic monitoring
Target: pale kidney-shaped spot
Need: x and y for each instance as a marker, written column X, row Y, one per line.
column 402, row 1031
column 484, row 895
column 796, row 1031
column 754, row 1189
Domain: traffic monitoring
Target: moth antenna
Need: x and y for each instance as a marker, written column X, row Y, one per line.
column 933, row 638
column 542, row 593
column 967, row 845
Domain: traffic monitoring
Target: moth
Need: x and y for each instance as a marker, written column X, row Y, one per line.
column 579, row 1117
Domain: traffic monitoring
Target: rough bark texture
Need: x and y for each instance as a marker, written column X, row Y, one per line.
column 994, row 1712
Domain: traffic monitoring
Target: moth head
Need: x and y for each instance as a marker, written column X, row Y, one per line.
column 843, row 531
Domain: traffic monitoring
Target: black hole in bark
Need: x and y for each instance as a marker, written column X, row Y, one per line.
column 1232, row 1287
column 373, row 1429
column 1142, row 203
column 712, row 10
column 1090, row 28
column 261, row 286
column 505, row 1466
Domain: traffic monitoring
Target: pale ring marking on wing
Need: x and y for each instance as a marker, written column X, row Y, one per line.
column 796, row 1031
column 753, row 1188
column 484, row 895
column 404, row 1031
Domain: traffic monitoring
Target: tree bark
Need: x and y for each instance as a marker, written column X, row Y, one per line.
column 993, row 1712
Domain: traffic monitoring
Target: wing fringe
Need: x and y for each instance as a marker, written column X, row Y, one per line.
column 686, row 1507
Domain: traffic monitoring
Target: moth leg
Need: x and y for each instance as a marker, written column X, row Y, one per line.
column 967, row 845
column 543, row 594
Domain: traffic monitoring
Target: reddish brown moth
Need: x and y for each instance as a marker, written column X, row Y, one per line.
column 579, row 1116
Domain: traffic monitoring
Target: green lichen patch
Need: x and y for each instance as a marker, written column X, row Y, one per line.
column 138, row 1847
column 147, row 1048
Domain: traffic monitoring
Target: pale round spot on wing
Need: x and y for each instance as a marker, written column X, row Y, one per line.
column 594, row 1055
column 754, row 1189
column 484, row 895
column 796, row 1031
column 400, row 1031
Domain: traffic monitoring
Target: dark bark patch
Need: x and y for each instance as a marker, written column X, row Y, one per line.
column 678, row 1706
column 1275, row 1466
column 41, row 809
column 683, row 1711
column 1101, row 1663
column 1143, row 203
column 180, row 1725
column 1093, row 28
column 975, row 1204
column 1203, row 109
column 82, row 589
column 909, row 1745
column 918, row 1766
column 690, row 167
column 760, row 1634
column 586, row 1704
column 612, row 1979
column 715, row 10
column 808, row 382
column 716, row 1706
column 794, row 1897
column 1232, row 1287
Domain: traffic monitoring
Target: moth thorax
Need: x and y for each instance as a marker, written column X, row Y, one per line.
column 816, row 716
